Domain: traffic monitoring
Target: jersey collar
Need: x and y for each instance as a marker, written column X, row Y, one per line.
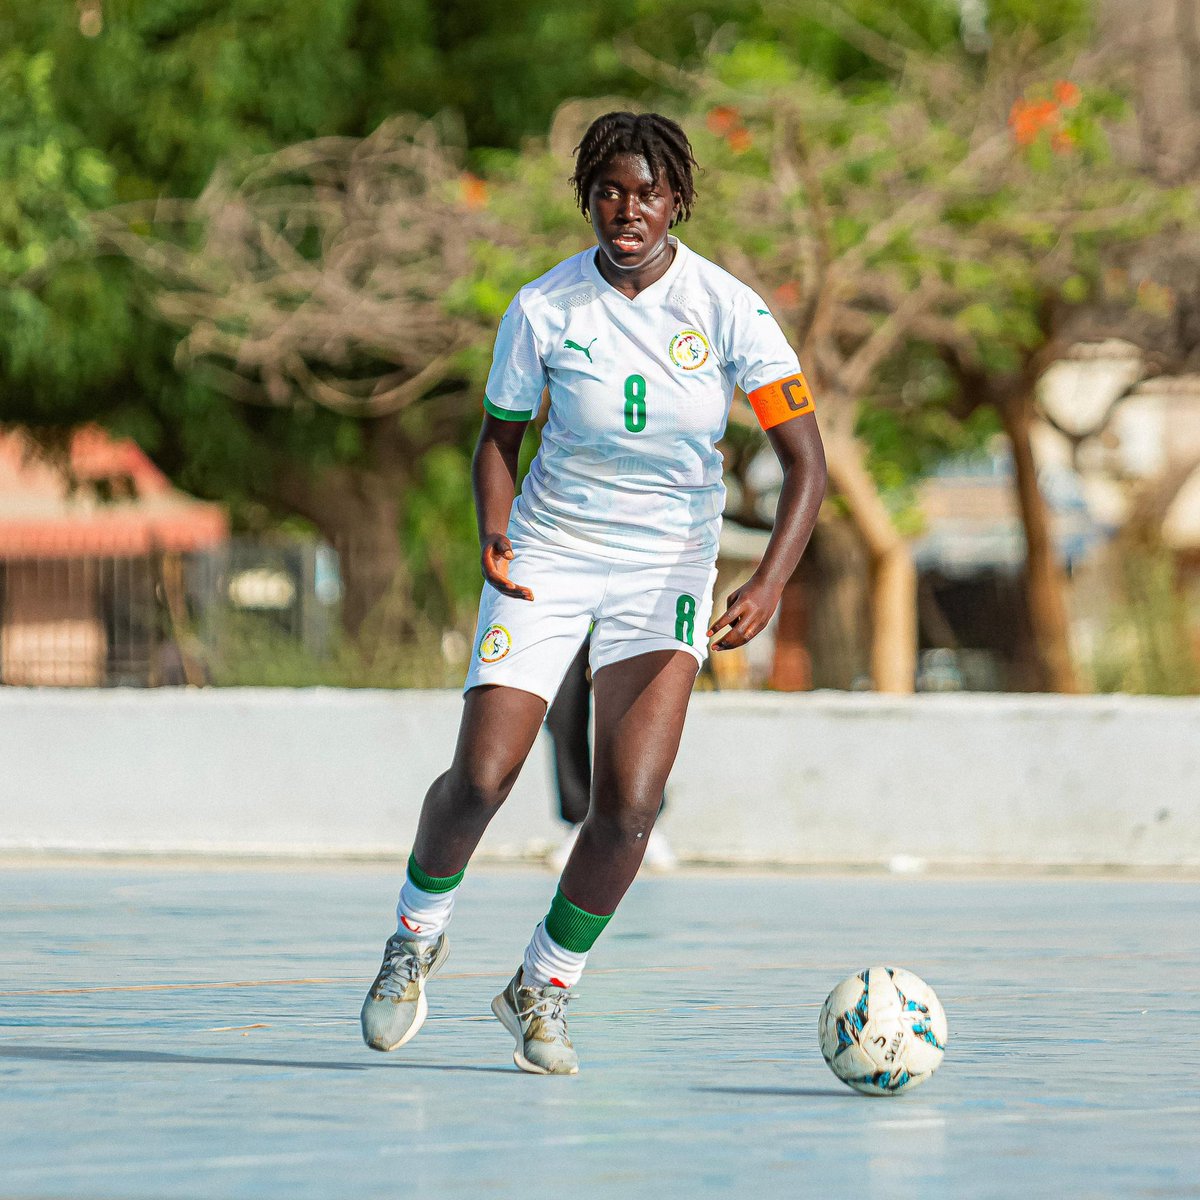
column 649, row 294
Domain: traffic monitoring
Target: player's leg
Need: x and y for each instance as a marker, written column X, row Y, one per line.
column 641, row 703
column 522, row 649
column 647, row 645
column 498, row 728
column 567, row 723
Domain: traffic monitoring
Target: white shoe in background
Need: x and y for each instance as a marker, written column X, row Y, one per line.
column 560, row 854
column 659, row 855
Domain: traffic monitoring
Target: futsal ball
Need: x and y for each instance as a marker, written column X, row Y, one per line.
column 882, row 1031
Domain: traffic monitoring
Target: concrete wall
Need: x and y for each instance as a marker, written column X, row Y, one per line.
column 820, row 778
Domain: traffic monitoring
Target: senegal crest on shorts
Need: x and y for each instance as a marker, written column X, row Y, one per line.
column 494, row 644
column 688, row 349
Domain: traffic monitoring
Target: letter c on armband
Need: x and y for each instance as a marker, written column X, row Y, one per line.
column 774, row 403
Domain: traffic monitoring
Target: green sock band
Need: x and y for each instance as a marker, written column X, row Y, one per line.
column 571, row 927
column 433, row 883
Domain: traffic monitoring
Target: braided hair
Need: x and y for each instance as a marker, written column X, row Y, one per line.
column 657, row 139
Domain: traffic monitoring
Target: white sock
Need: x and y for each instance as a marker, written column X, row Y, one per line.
column 547, row 963
column 423, row 916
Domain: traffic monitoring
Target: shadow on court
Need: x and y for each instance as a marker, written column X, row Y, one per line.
column 824, row 1093
column 69, row 1054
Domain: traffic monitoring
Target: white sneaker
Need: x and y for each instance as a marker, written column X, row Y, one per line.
column 537, row 1019
column 659, row 856
column 559, row 855
column 395, row 1007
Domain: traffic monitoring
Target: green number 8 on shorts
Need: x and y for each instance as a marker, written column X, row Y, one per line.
column 685, row 618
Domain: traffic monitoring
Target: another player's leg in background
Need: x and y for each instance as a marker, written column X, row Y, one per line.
column 567, row 721
column 498, row 729
column 641, row 704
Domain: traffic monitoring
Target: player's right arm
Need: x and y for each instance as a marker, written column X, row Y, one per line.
column 494, row 475
column 514, row 390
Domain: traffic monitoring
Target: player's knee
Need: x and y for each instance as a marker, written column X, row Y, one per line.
column 629, row 821
column 483, row 791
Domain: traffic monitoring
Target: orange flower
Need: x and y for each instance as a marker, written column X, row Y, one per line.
column 472, row 192
column 787, row 295
column 1027, row 119
column 721, row 119
column 739, row 140
column 1067, row 93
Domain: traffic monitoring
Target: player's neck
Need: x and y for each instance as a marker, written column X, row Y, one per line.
column 630, row 281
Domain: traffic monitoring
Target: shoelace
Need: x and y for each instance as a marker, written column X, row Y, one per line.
column 549, row 1007
column 400, row 968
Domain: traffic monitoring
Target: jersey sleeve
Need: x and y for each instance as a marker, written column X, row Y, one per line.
column 518, row 374
column 765, row 365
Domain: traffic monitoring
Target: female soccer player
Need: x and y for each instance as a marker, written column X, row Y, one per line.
column 641, row 343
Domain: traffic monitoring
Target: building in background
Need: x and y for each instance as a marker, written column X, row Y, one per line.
column 93, row 577
column 973, row 627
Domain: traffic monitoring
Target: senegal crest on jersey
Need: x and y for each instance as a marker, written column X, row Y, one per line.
column 688, row 349
column 494, row 644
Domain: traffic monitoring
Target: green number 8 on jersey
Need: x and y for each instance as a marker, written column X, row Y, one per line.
column 635, row 404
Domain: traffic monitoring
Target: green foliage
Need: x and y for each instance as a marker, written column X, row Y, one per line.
column 53, row 180
column 62, row 323
column 440, row 538
column 172, row 87
column 249, row 653
column 1149, row 646
column 909, row 438
column 1046, row 22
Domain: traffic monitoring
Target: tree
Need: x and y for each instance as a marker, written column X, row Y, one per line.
column 871, row 177
column 896, row 225
column 126, row 101
column 328, row 292
column 60, row 329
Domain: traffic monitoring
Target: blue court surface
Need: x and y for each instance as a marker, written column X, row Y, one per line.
column 183, row 1030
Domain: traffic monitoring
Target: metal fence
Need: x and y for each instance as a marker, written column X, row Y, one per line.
column 158, row 619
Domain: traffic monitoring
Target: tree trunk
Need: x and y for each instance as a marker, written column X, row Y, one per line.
column 791, row 668
column 1160, row 41
column 358, row 511
column 835, row 573
column 893, row 575
column 1045, row 581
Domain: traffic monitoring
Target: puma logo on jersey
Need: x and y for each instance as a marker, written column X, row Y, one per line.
column 587, row 350
column 764, row 312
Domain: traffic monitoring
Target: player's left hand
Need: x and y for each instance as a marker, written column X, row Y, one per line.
column 746, row 614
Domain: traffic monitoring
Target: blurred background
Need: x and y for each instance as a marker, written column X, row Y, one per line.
column 252, row 258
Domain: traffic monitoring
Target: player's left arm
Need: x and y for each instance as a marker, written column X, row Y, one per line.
column 797, row 443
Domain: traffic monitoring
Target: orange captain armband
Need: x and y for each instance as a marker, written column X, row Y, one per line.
column 774, row 403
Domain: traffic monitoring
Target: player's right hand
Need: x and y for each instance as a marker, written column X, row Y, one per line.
column 497, row 553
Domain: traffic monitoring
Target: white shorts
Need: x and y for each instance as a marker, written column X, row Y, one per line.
column 635, row 608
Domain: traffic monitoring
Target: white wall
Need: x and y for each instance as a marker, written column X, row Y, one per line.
column 819, row 778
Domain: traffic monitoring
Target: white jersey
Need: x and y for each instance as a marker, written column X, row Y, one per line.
column 640, row 392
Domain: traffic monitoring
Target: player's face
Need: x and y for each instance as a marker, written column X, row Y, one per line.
column 631, row 211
